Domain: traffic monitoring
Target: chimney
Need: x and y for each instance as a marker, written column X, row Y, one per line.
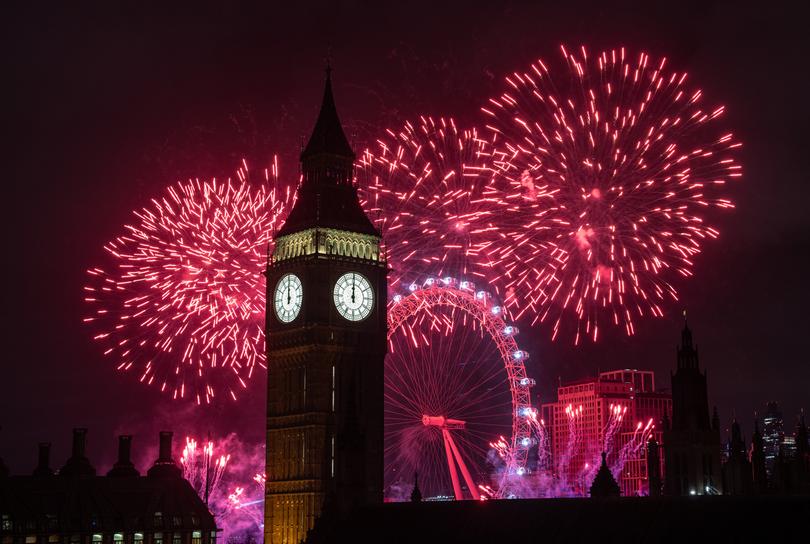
column 124, row 466
column 44, row 462
column 78, row 464
column 79, row 442
column 165, row 446
column 164, row 466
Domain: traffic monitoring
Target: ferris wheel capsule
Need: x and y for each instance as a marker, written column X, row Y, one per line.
column 527, row 382
column 429, row 281
column 510, row 330
column 413, row 287
column 520, row 355
column 397, row 298
column 481, row 295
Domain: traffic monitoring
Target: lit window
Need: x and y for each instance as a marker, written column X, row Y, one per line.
column 31, row 539
column 158, row 520
column 5, row 522
column 196, row 537
column 157, row 538
column 118, row 538
column 213, row 537
column 137, row 538
column 97, row 537
column 53, row 538
column 177, row 538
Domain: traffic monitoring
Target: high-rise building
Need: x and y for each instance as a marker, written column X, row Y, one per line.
column 691, row 443
column 772, row 435
column 582, row 423
column 326, row 343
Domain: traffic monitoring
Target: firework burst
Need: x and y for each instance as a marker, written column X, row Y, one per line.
column 423, row 185
column 606, row 171
column 182, row 305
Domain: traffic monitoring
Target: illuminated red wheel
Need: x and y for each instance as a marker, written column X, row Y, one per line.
column 454, row 383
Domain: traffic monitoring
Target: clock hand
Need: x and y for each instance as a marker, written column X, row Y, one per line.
column 288, row 293
column 352, row 287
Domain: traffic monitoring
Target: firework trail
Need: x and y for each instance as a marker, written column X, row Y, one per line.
column 423, row 186
column 202, row 468
column 607, row 173
column 615, row 416
column 632, row 449
column 182, row 304
column 564, row 463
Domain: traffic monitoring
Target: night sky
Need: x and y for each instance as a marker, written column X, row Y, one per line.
column 108, row 104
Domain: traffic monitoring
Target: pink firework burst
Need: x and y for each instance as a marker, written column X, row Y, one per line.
column 182, row 304
column 606, row 171
column 424, row 188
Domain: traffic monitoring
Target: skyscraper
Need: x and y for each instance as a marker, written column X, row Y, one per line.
column 772, row 435
column 691, row 443
column 326, row 342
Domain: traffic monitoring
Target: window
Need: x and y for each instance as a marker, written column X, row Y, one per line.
column 196, row 537
column 177, row 521
column 158, row 521
column 118, row 538
column 31, row 539
column 137, row 538
column 213, row 537
column 5, row 522
column 157, row 538
column 97, row 537
column 53, row 538
column 177, row 538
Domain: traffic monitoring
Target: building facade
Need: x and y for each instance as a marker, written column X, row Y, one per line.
column 76, row 506
column 326, row 344
column 581, row 425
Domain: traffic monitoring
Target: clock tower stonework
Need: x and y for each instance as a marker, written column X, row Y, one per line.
column 326, row 342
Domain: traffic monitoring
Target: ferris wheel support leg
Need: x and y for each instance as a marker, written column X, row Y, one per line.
column 467, row 478
column 451, row 465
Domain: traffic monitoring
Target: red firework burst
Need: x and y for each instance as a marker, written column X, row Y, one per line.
column 182, row 305
column 605, row 173
column 423, row 187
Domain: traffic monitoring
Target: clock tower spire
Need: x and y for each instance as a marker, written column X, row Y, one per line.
column 326, row 338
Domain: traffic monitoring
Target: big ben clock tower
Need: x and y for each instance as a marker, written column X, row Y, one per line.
column 326, row 342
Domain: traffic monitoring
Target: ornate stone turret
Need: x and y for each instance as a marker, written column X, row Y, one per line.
column 737, row 474
column 416, row 494
column 692, row 441
column 654, row 468
column 758, row 468
column 604, row 484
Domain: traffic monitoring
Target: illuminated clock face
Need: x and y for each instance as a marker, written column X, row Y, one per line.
column 288, row 297
column 353, row 296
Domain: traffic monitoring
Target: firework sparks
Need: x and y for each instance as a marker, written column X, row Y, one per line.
column 604, row 185
column 182, row 306
column 424, row 187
